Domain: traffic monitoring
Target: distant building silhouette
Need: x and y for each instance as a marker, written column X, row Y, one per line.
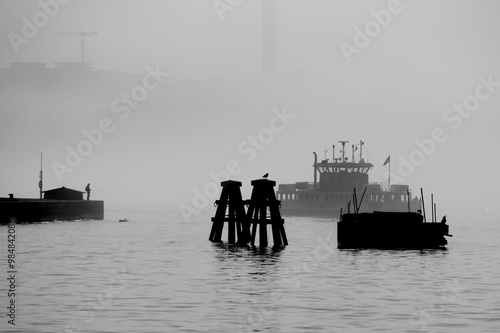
column 63, row 193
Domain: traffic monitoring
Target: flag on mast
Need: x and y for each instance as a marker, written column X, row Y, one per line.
column 387, row 160
column 40, row 183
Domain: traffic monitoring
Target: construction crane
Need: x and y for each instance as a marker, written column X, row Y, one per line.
column 83, row 38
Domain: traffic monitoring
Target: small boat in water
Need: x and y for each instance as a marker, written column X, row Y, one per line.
column 390, row 230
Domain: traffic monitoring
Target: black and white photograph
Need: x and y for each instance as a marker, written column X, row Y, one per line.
column 249, row 166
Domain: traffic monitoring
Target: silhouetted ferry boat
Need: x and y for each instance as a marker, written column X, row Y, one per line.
column 333, row 190
column 390, row 230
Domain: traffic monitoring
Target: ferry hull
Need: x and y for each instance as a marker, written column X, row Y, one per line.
column 310, row 209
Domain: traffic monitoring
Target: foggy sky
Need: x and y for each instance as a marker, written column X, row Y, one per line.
column 430, row 56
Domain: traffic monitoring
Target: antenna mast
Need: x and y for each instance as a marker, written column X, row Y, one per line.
column 343, row 149
column 40, row 183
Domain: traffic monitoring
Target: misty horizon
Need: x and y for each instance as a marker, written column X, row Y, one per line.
column 183, row 93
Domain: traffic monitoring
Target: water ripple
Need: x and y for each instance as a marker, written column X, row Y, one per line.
column 158, row 274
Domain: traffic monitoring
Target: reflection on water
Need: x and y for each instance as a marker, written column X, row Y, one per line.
column 158, row 274
column 249, row 288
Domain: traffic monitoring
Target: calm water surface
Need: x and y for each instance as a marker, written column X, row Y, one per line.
column 160, row 274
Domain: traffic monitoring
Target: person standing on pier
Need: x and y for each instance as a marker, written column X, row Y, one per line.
column 87, row 189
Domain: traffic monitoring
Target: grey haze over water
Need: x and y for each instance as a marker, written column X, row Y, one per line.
column 393, row 74
column 186, row 93
column 160, row 274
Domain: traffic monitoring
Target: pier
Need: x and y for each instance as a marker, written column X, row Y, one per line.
column 40, row 210
column 263, row 210
column 230, row 209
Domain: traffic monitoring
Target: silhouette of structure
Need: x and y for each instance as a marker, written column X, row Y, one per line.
column 263, row 200
column 63, row 193
column 230, row 209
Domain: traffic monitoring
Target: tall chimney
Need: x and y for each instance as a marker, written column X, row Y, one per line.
column 268, row 39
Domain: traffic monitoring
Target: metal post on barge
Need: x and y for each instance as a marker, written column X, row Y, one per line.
column 423, row 203
column 315, row 170
column 435, row 212
column 355, row 200
column 388, row 160
column 434, row 218
column 40, row 183
column 361, row 201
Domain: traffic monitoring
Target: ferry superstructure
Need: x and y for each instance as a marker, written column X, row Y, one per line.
column 344, row 184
